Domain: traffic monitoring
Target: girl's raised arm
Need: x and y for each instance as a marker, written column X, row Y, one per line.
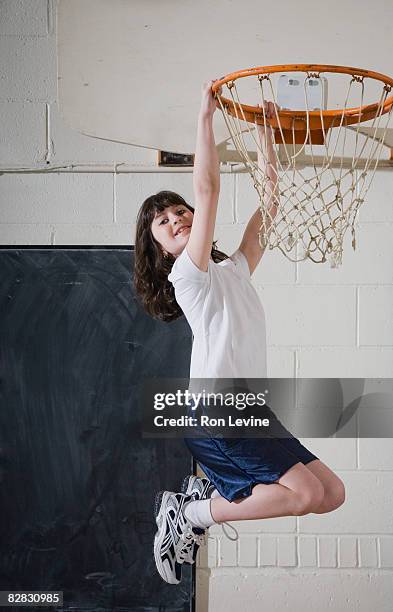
column 206, row 180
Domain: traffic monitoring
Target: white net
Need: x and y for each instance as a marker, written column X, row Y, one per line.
column 306, row 211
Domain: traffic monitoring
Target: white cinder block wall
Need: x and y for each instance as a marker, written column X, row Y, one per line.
column 321, row 323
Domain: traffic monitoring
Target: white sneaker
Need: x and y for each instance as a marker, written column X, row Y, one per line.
column 202, row 488
column 174, row 537
column 199, row 488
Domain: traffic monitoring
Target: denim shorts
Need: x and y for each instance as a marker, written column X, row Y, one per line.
column 236, row 465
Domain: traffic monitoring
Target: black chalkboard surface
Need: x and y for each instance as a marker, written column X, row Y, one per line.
column 77, row 482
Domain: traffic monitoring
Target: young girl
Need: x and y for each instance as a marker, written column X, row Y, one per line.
column 178, row 270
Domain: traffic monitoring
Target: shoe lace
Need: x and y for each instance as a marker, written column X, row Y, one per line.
column 186, row 543
column 188, row 540
column 233, row 539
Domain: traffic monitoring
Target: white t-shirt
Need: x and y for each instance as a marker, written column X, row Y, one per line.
column 225, row 315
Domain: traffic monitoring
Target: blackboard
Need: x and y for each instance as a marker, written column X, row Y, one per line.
column 77, row 482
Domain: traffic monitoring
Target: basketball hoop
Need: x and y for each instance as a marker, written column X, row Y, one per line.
column 314, row 211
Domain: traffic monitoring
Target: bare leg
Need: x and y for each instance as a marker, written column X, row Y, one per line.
column 266, row 501
column 295, row 493
column 334, row 487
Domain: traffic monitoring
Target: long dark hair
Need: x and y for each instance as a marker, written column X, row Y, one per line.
column 151, row 268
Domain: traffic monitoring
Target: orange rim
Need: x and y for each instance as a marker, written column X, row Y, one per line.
column 295, row 120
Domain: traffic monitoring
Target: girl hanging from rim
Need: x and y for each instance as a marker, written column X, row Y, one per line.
column 179, row 270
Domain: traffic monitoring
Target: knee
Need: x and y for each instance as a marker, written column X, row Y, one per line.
column 336, row 496
column 308, row 500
